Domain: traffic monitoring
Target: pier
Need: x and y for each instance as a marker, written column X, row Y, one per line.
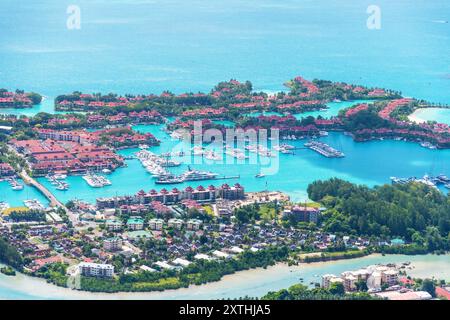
column 324, row 149
column 226, row 177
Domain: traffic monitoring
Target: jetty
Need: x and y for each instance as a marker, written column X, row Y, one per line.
column 324, row 149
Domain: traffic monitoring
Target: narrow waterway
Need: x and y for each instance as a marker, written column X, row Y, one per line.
column 254, row 283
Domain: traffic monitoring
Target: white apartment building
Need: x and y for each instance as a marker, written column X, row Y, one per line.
column 96, row 270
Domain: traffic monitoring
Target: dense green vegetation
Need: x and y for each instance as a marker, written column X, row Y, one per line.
column 9, row 255
column 31, row 215
column 197, row 273
column 366, row 119
column 254, row 212
column 415, row 212
column 15, row 161
column 301, row 292
column 55, row 273
column 8, row 271
column 35, row 98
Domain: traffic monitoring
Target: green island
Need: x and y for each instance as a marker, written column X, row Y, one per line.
column 170, row 239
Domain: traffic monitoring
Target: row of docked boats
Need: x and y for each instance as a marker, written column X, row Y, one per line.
column 34, row 204
column 189, row 175
column 430, row 181
column 236, row 153
column 290, row 137
column 324, row 149
column 15, row 185
column 96, row 181
column 206, row 153
column 293, row 137
column 57, row 180
column 428, row 145
column 151, row 163
column 284, row 148
column 260, row 150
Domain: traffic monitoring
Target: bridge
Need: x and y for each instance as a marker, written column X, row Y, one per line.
column 51, row 198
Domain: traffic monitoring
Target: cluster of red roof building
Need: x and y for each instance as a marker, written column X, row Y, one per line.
column 68, row 156
column 352, row 111
column 6, row 170
column 122, row 136
column 164, row 196
column 391, row 106
column 17, row 100
column 204, row 112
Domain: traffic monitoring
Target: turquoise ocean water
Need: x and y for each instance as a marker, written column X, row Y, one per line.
column 147, row 46
column 141, row 46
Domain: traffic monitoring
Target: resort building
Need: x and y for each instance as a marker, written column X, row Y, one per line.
column 350, row 282
column 133, row 209
column 174, row 196
column 224, row 208
column 390, row 277
column 181, row 262
column 66, row 156
column 135, row 223
column 220, row 254
column 303, row 213
column 176, row 223
column 96, row 270
column 156, row 224
column 328, row 279
column 374, row 276
column 193, row 224
column 112, row 244
column 113, row 225
column 45, row 134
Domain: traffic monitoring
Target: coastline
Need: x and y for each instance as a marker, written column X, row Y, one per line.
column 416, row 115
column 254, row 282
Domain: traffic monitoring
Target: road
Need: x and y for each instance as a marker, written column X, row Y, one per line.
column 54, row 202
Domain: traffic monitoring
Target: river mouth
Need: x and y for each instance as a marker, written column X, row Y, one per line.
column 252, row 283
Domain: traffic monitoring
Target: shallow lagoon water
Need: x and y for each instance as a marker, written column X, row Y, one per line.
column 16, row 198
column 333, row 109
column 47, row 105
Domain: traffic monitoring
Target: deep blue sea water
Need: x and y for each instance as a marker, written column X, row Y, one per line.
column 138, row 46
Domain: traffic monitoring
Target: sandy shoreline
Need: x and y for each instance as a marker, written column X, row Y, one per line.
column 416, row 115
